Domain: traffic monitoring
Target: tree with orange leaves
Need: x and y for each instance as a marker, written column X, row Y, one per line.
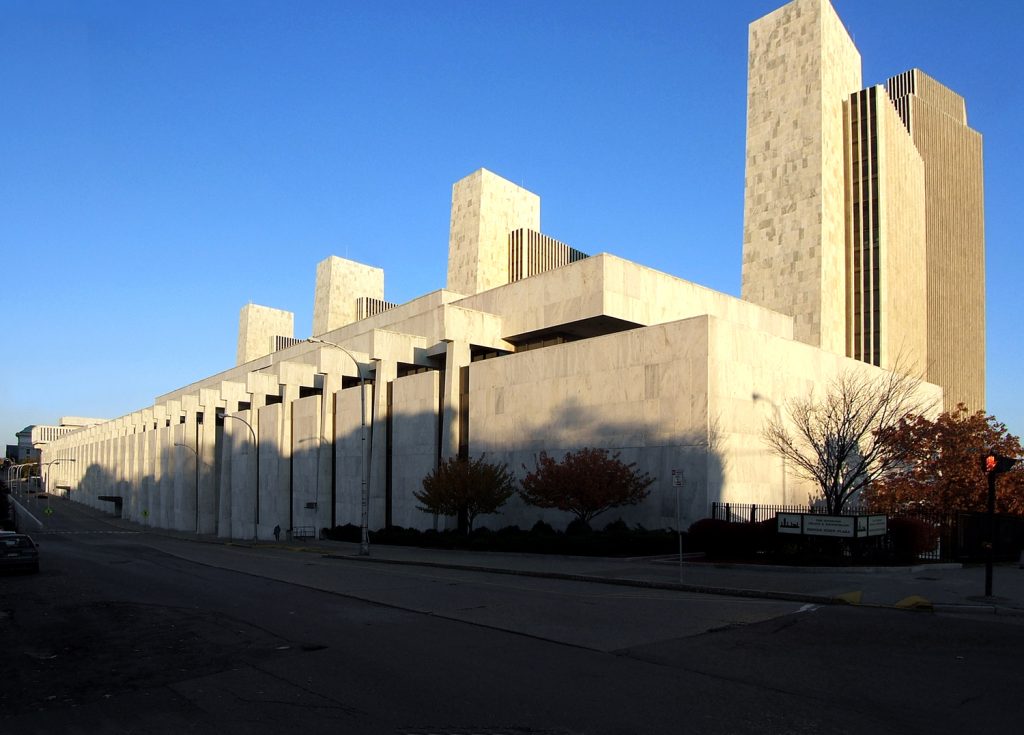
column 943, row 471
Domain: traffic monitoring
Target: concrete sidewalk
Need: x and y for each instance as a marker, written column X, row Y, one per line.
column 939, row 587
column 944, row 587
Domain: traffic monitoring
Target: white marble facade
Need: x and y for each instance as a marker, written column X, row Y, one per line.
column 601, row 352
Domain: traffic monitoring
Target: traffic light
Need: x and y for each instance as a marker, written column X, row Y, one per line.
column 996, row 464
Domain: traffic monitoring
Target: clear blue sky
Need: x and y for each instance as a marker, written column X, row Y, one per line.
column 164, row 163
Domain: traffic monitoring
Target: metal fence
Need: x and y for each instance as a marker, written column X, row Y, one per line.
column 946, row 525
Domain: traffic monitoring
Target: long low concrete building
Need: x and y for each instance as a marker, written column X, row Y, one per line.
column 549, row 350
column 863, row 251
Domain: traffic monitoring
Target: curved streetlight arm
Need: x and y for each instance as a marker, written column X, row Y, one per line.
column 252, row 431
column 256, row 449
column 46, row 470
column 364, row 525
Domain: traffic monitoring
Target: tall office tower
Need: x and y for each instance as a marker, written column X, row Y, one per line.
column 955, row 232
column 864, row 211
column 886, row 314
column 802, row 65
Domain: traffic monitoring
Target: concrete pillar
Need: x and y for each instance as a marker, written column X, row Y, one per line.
column 457, row 355
column 385, row 371
column 146, row 468
column 414, row 445
column 243, row 476
column 307, row 492
column 348, row 453
column 332, row 365
column 230, row 394
column 131, row 503
column 209, row 460
column 273, row 492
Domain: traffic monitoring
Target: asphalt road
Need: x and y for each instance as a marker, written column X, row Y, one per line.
column 138, row 633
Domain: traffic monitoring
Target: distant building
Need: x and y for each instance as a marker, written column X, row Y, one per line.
column 535, row 346
column 33, row 437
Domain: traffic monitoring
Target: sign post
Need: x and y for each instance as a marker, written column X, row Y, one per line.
column 677, row 483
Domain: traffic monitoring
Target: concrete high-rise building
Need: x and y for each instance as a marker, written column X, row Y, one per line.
column 802, row 66
column 954, row 205
column 885, row 236
column 863, row 216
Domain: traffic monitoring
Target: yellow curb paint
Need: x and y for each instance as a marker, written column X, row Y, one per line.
column 852, row 598
column 914, row 602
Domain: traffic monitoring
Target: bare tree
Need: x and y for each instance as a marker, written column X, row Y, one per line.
column 845, row 440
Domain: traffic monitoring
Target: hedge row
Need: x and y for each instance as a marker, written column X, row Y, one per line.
column 616, row 539
column 719, row 539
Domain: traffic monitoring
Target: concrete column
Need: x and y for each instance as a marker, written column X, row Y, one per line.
column 311, row 492
column 230, row 394
column 131, row 503
column 259, row 385
column 348, row 457
column 243, row 476
column 226, row 449
column 146, row 468
column 385, row 371
column 209, row 460
column 414, row 446
column 165, row 456
column 457, row 355
column 273, row 493
column 283, row 483
column 187, row 479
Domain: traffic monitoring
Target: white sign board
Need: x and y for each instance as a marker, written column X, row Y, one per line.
column 821, row 525
column 789, row 523
column 677, row 478
column 816, row 524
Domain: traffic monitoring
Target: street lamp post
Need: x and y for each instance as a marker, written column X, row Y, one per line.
column 256, row 448
column 364, row 526
column 46, row 470
column 195, row 452
column 21, row 480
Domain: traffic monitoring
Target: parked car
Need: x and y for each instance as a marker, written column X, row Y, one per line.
column 18, row 552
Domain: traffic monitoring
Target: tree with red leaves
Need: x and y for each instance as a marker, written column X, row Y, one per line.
column 585, row 483
column 942, row 471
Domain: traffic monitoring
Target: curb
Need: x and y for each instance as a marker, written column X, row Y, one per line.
column 646, row 584
column 946, row 607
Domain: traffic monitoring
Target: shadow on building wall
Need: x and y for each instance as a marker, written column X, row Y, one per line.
column 319, row 483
